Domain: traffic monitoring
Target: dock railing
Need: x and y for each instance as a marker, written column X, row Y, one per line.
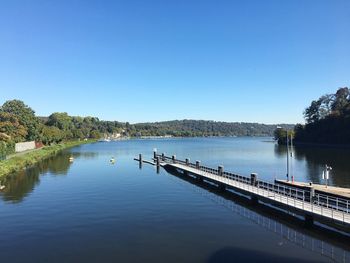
column 331, row 203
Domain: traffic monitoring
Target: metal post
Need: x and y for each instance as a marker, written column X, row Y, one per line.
column 312, row 194
column 163, row 157
column 291, row 157
column 287, row 157
column 173, row 158
column 336, row 200
column 154, row 154
column 220, row 170
column 140, row 161
column 253, row 179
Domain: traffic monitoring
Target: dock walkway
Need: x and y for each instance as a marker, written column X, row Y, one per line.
column 330, row 190
column 314, row 206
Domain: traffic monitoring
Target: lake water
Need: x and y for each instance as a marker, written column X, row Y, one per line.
column 94, row 211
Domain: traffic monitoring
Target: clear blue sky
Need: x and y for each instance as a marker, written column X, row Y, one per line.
column 257, row 61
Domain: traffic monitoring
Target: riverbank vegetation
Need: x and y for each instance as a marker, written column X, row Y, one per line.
column 18, row 162
column 19, row 123
column 327, row 121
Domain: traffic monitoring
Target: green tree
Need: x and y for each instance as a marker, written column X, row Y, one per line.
column 312, row 113
column 280, row 135
column 341, row 100
column 327, row 120
column 51, row 134
column 60, row 120
column 319, row 109
column 78, row 134
column 26, row 117
column 95, row 134
column 10, row 126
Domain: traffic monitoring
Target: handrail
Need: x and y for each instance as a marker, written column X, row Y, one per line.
column 321, row 200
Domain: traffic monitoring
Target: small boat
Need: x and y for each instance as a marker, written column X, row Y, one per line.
column 2, row 187
column 112, row 160
column 71, row 159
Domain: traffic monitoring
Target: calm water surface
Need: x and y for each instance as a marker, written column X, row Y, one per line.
column 94, row 211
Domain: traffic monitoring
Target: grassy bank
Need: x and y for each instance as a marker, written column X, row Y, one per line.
column 19, row 162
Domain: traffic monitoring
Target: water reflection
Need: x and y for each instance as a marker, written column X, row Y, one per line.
column 289, row 229
column 84, row 155
column 20, row 184
column 315, row 158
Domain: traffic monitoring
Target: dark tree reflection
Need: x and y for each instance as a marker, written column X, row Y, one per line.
column 317, row 157
column 20, row 184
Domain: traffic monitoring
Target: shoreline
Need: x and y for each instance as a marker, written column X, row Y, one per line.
column 17, row 163
column 320, row 145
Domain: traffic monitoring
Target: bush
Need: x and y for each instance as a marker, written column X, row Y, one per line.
column 6, row 149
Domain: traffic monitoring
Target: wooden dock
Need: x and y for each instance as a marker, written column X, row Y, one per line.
column 306, row 200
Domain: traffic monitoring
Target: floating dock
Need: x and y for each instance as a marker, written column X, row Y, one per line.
column 330, row 208
column 334, row 191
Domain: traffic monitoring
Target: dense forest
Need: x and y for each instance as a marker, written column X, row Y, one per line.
column 327, row 121
column 19, row 123
column 190, row 128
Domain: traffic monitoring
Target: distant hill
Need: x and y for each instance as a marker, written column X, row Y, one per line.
column 189, row 128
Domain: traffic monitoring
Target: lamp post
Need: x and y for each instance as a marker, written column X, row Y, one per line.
column 291, row 157
column 287, row 156
column 291, row 152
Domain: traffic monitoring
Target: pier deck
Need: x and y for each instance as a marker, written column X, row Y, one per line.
column 333, row 190
column 297, row 203
column 299, row 198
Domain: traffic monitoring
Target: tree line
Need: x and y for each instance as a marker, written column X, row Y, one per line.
column 18, row 123
column 200, row 128
column 327, row 121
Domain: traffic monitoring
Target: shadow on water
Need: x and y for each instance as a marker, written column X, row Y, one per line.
column 332, row 245
column 20, row 184
column 317, row 157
